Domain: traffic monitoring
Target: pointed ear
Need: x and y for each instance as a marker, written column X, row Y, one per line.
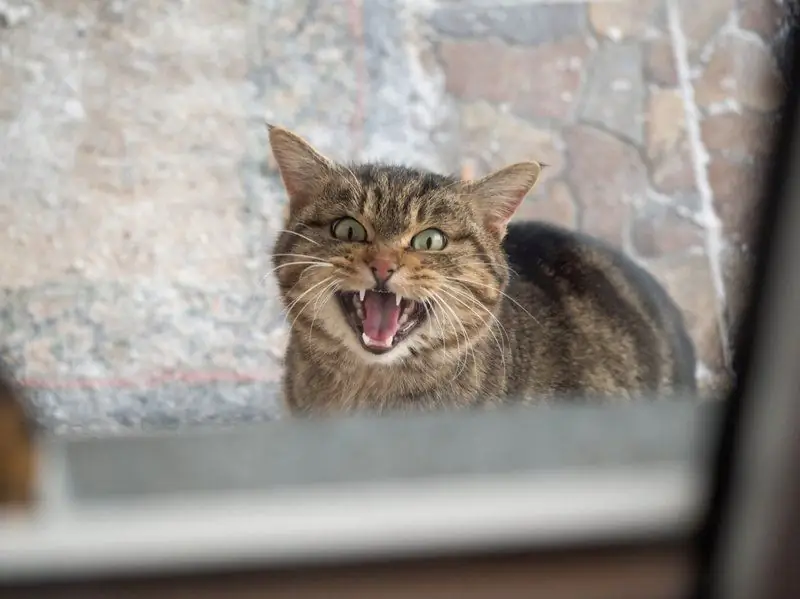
column 304, row 171
column 498, row 195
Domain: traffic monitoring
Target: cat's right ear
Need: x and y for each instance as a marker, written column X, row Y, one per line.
column 304, row 171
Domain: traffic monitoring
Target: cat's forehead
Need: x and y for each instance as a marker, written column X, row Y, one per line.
column 395, row 198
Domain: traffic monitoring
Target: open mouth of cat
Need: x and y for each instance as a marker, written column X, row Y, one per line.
column 380, row 319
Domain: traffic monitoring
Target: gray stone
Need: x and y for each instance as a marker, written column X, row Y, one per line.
column 304, row 62
column 122, row 332
column 409, row 118
column 528, row 23
column 614, row 93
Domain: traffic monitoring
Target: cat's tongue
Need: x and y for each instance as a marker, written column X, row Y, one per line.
column 381, row 315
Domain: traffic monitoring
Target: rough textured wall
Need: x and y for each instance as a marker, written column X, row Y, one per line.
column 138, row 202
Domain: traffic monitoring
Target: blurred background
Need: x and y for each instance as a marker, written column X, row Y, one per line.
column 138, row 199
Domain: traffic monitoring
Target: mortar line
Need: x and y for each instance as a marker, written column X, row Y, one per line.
column 708, row 216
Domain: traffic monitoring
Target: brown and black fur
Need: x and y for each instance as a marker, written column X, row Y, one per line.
column 533, row 312
column 17, row 445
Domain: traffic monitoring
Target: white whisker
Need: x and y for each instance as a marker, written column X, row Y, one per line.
column 493, row 288
column 295, row 263
column 498, row 342
column 302, row 295
column 299, row 235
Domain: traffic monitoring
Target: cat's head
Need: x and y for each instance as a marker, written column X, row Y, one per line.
column 391, row 262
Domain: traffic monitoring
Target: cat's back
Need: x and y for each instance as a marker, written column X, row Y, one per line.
column 589, row 317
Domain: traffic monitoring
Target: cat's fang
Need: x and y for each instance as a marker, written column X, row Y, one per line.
column 361, row 294
column 398, row 298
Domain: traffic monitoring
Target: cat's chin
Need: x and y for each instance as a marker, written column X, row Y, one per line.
column 399, row 317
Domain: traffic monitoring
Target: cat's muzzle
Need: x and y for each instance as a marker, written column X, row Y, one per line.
column 380, row 319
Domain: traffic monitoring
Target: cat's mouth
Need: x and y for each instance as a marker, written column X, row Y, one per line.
column 380, row 319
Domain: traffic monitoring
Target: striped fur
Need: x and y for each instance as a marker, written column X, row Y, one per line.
column 519, row 313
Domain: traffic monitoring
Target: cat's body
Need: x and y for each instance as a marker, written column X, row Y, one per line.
column 408, row 290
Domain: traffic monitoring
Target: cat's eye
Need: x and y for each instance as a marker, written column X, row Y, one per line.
column 430, row 240
column 348, row 229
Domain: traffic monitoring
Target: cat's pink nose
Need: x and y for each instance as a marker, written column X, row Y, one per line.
column 382, row 269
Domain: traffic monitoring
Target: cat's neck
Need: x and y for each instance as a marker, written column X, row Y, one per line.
column 343, row 381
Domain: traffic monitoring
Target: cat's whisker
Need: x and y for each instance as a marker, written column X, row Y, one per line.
column 444, row 305
column 494, row 288
column 299, row 234
column 460, row 367
column 451, row 293
column 291, row 306
column 501, row 347
column 440, row 304
column 477, row 304
column 471, row 346
column 295, row 263
column 305, row 256
column 333, row 285
column 306, row 271
column 431, row 312
column 490, row 256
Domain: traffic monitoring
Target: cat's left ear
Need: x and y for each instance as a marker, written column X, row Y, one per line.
column 304, row 171
column 498, row 195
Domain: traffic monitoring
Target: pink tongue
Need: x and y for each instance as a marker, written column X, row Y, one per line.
column 381, row 314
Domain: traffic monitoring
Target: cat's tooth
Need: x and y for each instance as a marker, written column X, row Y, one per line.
column 360, row 312
column 388, row 342
column 361, row 294
column 398, row 298
column 403, row 319
column 365, row 338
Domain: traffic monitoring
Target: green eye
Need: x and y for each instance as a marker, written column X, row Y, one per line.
column 348, row 229
column 429, row 240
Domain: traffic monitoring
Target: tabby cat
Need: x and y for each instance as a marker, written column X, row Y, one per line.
column 407, row 289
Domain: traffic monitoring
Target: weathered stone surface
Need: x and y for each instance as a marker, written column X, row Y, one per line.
column 701, row 21
column 142, row 239
column 623, row 19
column 659, row 66
column 556, row 206
column 529, row 23
column 734, row 186
column 688, row 281
column 668, row 151
column 139, row 145
column 407, row 115
column 742, row 69
column 533, row 82
column 614, row 93
column 659, row 230
column 97, row 330
column 496, row 139
column 666, row 121
column 761, row 16
column 607, row 176
column 301, row 53
column 738, row 135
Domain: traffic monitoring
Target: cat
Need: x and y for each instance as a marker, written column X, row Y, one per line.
column 408, row 290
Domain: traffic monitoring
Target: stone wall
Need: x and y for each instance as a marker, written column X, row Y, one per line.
column 138, row 200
